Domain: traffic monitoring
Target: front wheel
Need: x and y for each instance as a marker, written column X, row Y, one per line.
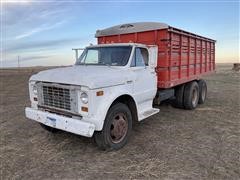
column 116, row 129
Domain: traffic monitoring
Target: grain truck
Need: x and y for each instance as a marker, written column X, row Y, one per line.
column 132, row 68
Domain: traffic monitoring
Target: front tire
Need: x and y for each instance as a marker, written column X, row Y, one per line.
column 116, row 129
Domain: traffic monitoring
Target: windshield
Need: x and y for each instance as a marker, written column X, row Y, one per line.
column 111, row 56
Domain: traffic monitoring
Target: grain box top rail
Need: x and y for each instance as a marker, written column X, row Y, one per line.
column 141, row 27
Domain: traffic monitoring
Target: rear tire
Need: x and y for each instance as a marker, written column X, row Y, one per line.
column 116, row 129
column 202, row 91
column 191, row 95
column 48, row 128
column 178, row 101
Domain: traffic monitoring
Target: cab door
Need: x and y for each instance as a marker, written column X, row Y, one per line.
column 145, row 78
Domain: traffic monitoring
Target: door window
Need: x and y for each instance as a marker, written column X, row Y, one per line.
column 140, row 58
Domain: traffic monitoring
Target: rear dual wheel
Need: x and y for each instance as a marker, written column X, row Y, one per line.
column 178, row 101
column 202, row 91
column 189, row 95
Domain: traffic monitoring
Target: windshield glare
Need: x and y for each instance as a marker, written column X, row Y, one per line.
column 111, row 56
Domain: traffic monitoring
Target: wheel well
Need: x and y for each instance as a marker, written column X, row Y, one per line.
column 129, row 101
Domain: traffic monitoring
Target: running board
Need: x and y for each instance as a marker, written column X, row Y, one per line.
column 148, row 113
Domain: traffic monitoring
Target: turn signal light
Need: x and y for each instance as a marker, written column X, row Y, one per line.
column 99, row 93
column 84, row 109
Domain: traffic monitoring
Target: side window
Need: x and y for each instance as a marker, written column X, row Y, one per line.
column 140, row 57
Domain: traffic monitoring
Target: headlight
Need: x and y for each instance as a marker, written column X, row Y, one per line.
column 84, row 98
column 34, row 89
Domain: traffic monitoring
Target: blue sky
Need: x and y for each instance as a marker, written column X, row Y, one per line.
column 44, row 32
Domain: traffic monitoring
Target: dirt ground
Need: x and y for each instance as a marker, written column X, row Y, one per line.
column 174, row 144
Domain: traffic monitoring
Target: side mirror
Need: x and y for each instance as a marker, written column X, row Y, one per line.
column 76, row 52
column 153, row 56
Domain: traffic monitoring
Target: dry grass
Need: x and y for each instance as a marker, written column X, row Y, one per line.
column 174, row 144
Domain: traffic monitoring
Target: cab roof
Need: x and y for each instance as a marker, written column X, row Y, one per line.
column 118, row 44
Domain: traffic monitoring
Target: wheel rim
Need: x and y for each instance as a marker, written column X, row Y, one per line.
column 119, row 127
column 194, row 97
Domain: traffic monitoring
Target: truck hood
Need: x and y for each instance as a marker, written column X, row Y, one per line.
column 84, row 75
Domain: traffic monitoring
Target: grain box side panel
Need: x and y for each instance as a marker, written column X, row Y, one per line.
column 182, row 56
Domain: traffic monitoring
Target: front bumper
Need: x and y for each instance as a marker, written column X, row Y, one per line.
column 75, row 126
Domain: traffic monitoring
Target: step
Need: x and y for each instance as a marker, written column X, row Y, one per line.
column 148, row 113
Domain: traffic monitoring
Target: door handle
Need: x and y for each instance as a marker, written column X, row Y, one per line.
column 129, row 82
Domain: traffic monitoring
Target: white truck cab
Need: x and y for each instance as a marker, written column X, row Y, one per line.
column 109, row 87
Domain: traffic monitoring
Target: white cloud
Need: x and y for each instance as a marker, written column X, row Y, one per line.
column 39, row 29
column 15, row 1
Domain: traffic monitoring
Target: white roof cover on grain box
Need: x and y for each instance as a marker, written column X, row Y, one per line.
column 131, row 28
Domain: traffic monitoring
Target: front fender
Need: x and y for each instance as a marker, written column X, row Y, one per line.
column 106, row 103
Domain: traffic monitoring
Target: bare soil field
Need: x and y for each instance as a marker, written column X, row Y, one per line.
column 174, row 144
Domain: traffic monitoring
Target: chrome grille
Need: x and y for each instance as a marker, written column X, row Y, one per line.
column 57, row 97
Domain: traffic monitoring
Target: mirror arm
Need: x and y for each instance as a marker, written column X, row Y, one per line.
column 76, row 52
